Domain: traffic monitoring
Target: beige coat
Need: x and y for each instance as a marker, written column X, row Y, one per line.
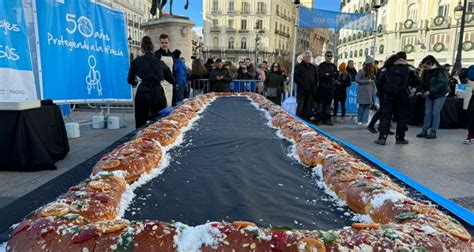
column 470, row 87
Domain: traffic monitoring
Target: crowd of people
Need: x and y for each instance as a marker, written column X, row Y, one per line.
column 321, row 90
column 319, row 87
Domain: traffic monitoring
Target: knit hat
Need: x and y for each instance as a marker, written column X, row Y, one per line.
column 342, row 66
column 368, row 60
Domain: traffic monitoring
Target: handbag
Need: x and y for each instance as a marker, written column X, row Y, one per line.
column 271, row 92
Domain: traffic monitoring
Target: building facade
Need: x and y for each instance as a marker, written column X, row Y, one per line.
column 239, row 29
column 418, row 27
column 136, row 12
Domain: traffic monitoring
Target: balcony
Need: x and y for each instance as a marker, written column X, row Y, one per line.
column 244, row 31
column 245, row 12
column 282, row 33
column 215, row 11
column 440, row 22
column 261, row 12
column 231, row 30
column 215, row 29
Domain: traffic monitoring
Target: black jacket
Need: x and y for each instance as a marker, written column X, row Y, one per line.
column 327, row 75
column 345, row 82
column 387, row 77
column 151, row 71
column 160, row 52
column 274, row 80
column 306, row 79
column 220, row 72
column 352, row 73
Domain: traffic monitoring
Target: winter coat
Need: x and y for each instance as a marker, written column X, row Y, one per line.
column 470, row 86
column 327, row 75
column 396, row 75
column 352, row 73
column 274, row 80
column 306, row 79
column 220, row 72
column 436, row 81
column 345, row 82
column 180, row 72
column 365, row 90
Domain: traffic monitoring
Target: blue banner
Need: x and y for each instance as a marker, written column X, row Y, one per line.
column 351, row 101
column 84, row 51
column 316, row 18
column 16, row 75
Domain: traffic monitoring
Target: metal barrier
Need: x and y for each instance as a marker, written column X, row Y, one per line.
column 200, row 86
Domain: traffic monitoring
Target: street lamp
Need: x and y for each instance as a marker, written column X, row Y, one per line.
column 460, row 11
column 376, row 9
column 130, row 46
column 257, row 39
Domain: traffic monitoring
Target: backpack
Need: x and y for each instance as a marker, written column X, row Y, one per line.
column 395, row 81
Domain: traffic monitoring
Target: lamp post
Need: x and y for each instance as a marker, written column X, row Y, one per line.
column 376, row 9
column 130, row 46
column 460, row 11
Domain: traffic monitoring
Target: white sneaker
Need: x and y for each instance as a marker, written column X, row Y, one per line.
column 359, row 124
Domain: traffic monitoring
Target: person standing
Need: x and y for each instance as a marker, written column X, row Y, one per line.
column 306, row 80
column 150, row 97
column 198, row 75
column 351, row 70
column 250, row 68
column 220, row 78
column 209, row 65
column 164, row 53
column 262, row 73
column 243, row 73
column 393, row 87
column 340, row 94
column 180, row 75
column 435, row 89
column 274, row 84
column 327, row 73
column 365, row 90
column 469, row 75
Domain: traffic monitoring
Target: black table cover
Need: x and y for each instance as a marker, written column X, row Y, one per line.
column 452, row 115
column 32, row 140
column 232, row 166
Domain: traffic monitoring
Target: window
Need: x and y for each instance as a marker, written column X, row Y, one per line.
column 412, row 12
column 470, row 6
column 443, row 10
column 231, row 43
column 243, row 24
column 215, row 42
column 278, row 9
column 245, row 7
column 410, row 40
column 230, row 24
column 215, row 5
column 469, row 36
column 231, row 6
column 259, row 24
column 243, row 44
column 215, row 24
column 261, row 8
column 439, row 38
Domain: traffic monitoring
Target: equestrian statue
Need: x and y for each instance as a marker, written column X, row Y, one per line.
column 160, row 4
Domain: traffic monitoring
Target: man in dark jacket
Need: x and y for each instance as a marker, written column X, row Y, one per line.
column 220, row 78
column 180, row 75
column 394, row 81
column 306, row 80
column 328, row 74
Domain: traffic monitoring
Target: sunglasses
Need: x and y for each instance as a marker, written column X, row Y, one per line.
column 429, row 63
column 328, row 56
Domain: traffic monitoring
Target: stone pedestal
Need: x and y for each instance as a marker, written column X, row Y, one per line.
column 178, row 28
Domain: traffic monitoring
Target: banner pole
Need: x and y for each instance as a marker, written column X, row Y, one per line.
column 295, row 40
